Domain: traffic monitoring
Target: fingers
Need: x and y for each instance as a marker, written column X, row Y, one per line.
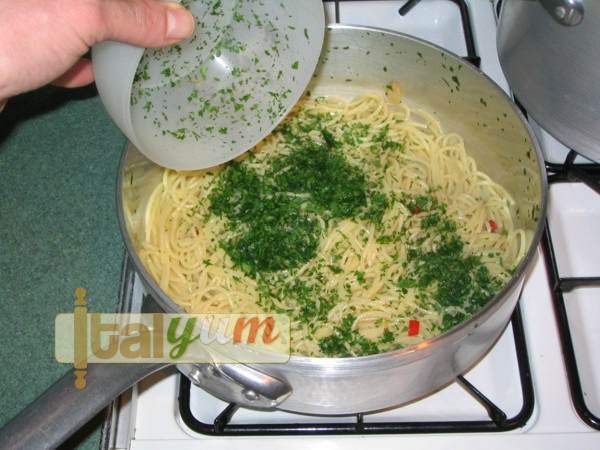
column 145, row 23
column 81, row 74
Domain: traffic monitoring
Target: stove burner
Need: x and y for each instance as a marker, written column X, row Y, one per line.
column 561, row 285
column 471, row 57
column 222, row 426
column 466, row 22
column 571, row 172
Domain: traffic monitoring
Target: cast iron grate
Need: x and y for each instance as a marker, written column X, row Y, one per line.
column 465, row 16
column 571, row 172
column 222, row 426
column 590, row 175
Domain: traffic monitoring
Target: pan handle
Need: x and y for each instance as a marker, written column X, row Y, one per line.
column 238, row 383
column 63, row 409
column 257, row 385
column 569, row 13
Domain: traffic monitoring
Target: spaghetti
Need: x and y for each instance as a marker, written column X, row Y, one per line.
column 363, row 220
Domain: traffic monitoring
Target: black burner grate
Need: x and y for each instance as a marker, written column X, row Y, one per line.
column 465, row 16
column 472, row 56
column 571, row 172
column 499, row 421
column 590, row 175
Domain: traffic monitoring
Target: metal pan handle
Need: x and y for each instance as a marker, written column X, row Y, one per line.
column 566, row 12
column 238, row 383
column 63, row 409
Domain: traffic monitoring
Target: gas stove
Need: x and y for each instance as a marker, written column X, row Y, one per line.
column 539, row 386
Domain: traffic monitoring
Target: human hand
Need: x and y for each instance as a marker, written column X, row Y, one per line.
column 43, row 41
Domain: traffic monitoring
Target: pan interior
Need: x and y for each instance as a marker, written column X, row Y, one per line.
column 357, row 60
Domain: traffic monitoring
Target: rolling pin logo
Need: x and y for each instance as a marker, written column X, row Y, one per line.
column 80, row 338
column 84, row 338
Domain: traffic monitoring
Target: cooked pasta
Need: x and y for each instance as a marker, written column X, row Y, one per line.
column 363, row 220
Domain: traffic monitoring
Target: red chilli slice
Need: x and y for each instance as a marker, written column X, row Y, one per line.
column 493, row 225
column 413, row 327
column 415, row 211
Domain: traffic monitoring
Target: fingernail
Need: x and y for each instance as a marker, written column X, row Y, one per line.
column 180, row 22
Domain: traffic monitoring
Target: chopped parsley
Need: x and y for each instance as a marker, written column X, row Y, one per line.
column 345, row 342
column 446, row 276
column 378, row 205
column 360, row 277
column 276, row 215
column 337, row 189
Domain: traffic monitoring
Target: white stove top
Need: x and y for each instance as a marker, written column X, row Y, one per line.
column 148, row 418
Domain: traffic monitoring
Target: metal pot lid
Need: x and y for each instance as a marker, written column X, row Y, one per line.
column 553, row 68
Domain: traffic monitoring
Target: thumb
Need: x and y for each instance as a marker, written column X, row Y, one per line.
column 145, row 23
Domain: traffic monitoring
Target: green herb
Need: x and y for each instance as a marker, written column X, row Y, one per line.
column 311, row 302
column 179, row 134
column 355, row 133
column 193, row 96
column 447, row 274
column 337, row 188
column 280, row 238
column 230, row 44
column 383, row 143
column 271, row 232
column 387, row 337
column 335, row 269
column 378, row 205
column 273, row 217
column 216, row 9
column 296, row 65
column 360, row 277
column 141, row 73
column 456, row 81
column 346, row 342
